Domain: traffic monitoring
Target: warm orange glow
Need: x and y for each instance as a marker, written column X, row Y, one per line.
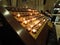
column 33, row 18
column 34, row 30
column 25, row 22
column 39, row 24
column 30, row 13
column 24, row 19
column 36, row 22
column 44, row 20
column 29, row 10
column 31, row 26
column 29, row 29
column 36, row 13
column 41, row 15
column 18, row 15
column 28, row 20
column 33, row 11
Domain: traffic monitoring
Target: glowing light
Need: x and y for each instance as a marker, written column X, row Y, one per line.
column 29, row 9
column 34, row 19
column 28, row 20
column 39, row 24
column 34, row 30
column 18, row 15
column 23, row 18
column 36, row 12
column 30, row 13
column 31, row 25
column 25, row 22
column 29, row 29
column 56, row 8
column 41, row 15
column 44, row 20
column 59, row 4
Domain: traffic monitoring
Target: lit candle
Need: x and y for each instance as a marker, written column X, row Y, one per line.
column 34, row 30
column 30, row 13
column 24, row 19
column 18, row 15
column 44, row 20
column 34, row 19
column 31, row 26
column 39, row 24
column 29, row 29
column 25, row 22
column 28, row 20
column 29, row 9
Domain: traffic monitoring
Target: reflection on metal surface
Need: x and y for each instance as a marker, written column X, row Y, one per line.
column 6, row 12
column 19, row 31
column 18, row 28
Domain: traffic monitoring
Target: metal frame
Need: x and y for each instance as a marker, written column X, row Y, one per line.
column 23, row 34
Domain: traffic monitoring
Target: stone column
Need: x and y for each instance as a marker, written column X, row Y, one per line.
column 13, row 2
column 39, row 5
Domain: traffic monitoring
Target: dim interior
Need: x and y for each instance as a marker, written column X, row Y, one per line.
column 40, row 20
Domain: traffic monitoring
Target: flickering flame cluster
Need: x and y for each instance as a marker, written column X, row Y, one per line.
column 31, row 20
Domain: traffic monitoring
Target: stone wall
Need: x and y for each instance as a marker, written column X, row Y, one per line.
column 35, row 4
column 49, row 4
